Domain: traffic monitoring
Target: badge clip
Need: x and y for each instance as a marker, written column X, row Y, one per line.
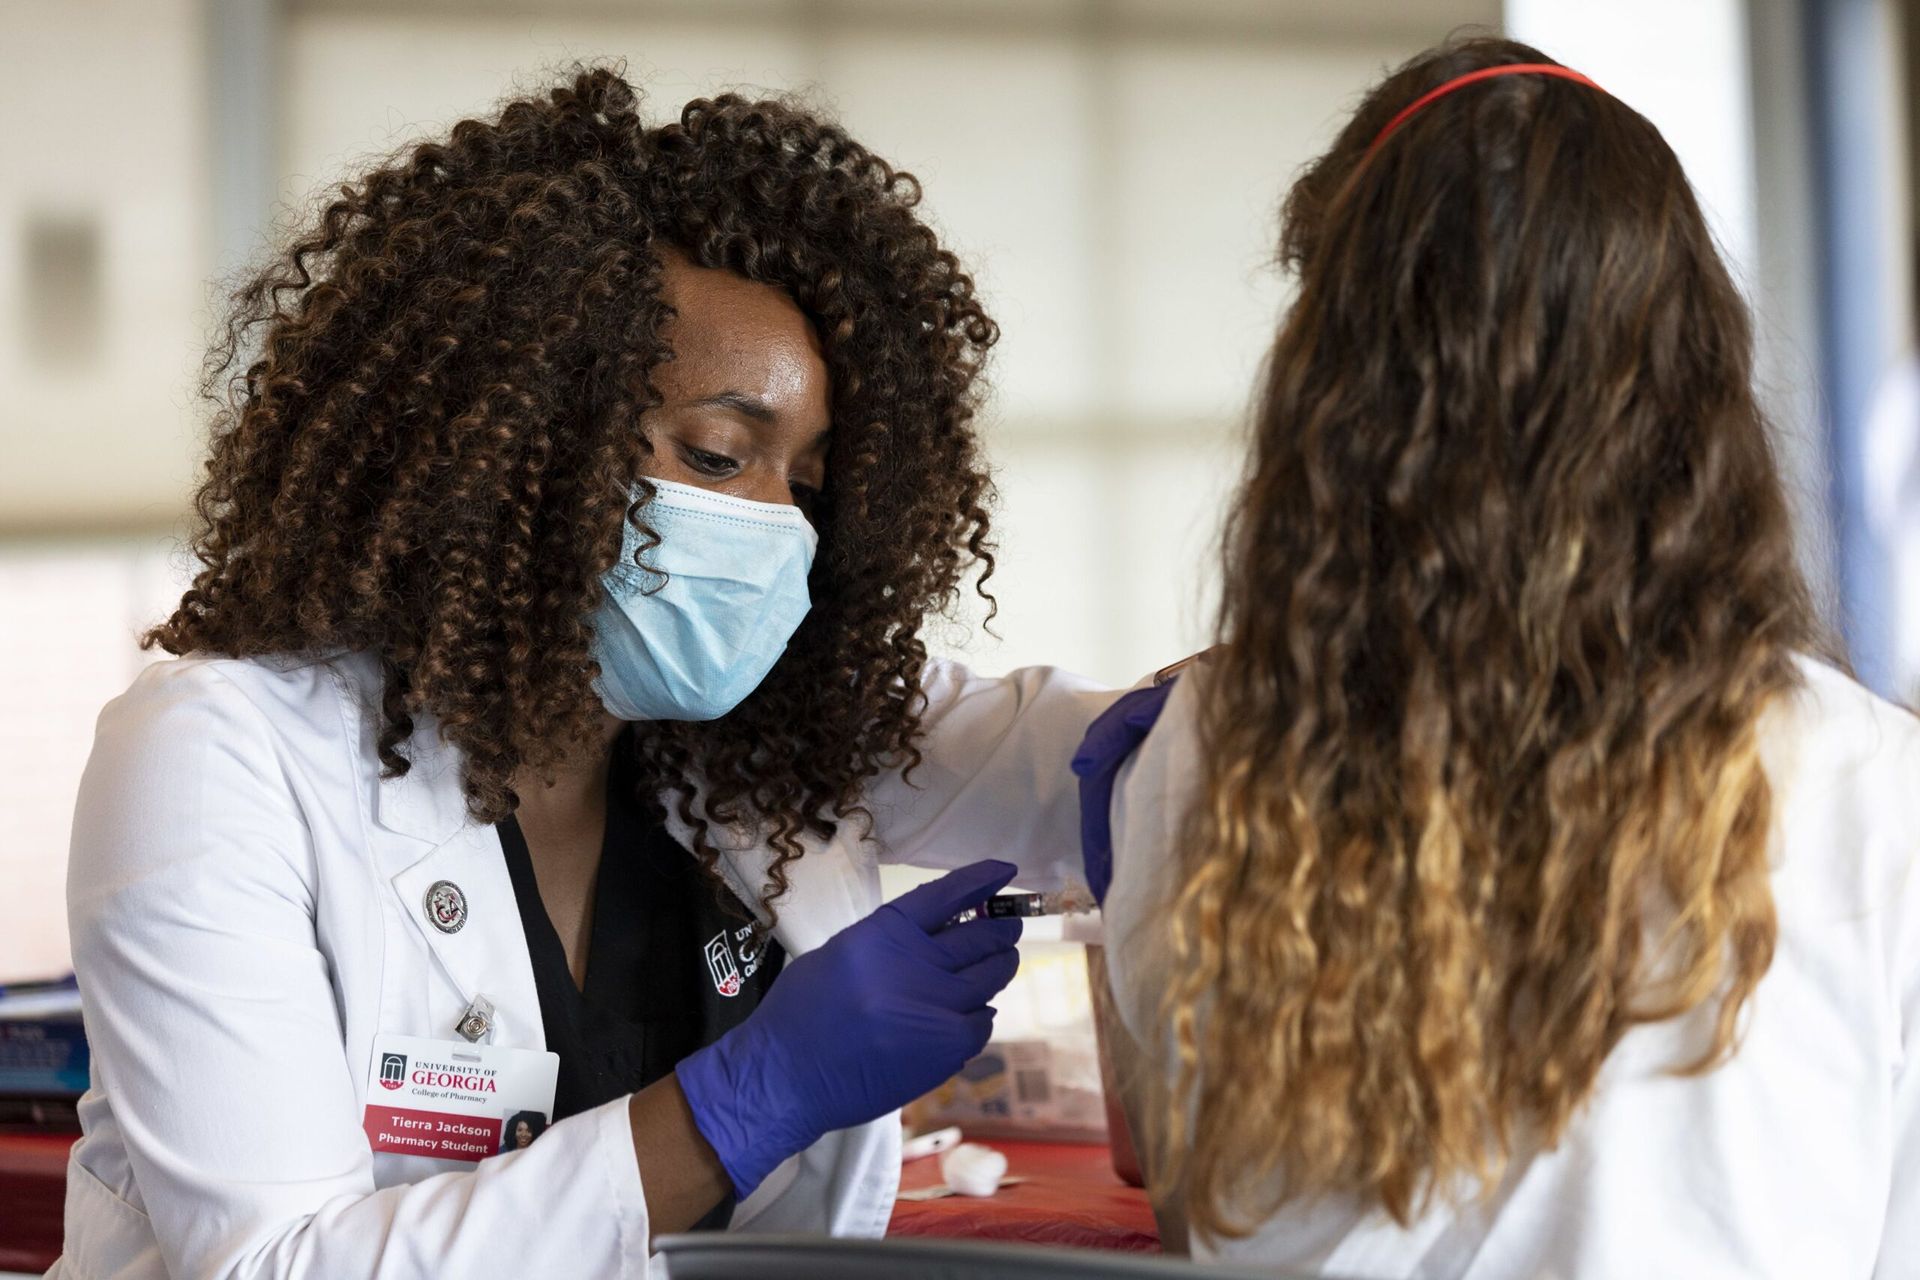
column 476, row 1021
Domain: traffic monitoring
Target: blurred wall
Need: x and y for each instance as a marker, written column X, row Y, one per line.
column 103, row 256
column 1111, row 168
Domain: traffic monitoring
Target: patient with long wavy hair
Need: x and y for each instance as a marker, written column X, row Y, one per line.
column 1516, row 893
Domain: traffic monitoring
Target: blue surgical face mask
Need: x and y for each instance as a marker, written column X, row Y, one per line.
column 694, row 628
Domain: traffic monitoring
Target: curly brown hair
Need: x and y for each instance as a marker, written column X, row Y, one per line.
column 1508, row 585
column 430, row 457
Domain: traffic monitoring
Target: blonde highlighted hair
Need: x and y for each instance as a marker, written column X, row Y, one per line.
column 1509, row 582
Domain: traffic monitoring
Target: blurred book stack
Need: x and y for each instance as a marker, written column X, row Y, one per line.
column 43, row 1057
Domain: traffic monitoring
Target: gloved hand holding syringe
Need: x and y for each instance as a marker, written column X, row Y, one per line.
column 1074, row 899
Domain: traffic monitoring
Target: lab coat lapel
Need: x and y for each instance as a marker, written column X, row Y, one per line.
column 425, row 837
column 486, row 955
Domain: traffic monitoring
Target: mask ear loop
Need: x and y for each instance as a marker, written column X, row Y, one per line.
column 1475, row 77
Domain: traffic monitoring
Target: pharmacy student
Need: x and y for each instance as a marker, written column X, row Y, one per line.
column 1524, row 889
column 547, row 698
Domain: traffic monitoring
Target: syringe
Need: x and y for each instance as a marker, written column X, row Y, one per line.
column 1075, row 899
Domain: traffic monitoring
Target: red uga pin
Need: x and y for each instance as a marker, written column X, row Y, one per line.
column 446, row 906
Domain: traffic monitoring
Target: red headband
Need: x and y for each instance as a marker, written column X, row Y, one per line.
column 1475, row 77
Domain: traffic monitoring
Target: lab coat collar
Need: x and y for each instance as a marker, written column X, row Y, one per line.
column 826, row 889
column 426, row 802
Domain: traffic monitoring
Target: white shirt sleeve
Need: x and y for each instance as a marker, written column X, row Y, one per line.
column 1151, row 796
column 995, row 778
column 217, row 1042
column 1900, row 1245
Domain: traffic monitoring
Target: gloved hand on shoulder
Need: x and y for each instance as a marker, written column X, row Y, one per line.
column 1110, row 743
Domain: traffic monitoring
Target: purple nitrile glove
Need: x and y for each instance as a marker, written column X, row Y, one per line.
column 1111, row 739
column 879, row 1014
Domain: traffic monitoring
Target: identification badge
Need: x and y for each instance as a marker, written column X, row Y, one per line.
column 450, row 1100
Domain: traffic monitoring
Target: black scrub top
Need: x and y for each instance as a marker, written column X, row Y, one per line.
column 669, row 970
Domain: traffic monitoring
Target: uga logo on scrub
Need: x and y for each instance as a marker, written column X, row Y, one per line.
column 732, row 961
column 393, row 1070
column 726, row 974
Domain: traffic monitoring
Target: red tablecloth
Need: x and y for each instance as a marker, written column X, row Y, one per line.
column 1070, row 1197
column 33, row 1188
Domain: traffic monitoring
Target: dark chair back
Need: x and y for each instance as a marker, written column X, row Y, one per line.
column 728, row 1256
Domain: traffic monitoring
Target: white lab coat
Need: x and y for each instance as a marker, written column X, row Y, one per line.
column 1798, row 1158
column 246, row 903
